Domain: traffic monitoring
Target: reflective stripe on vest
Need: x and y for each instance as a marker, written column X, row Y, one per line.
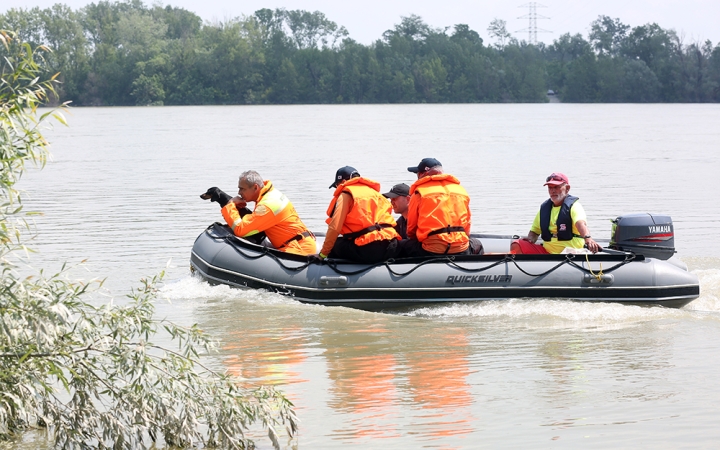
column 273, row 199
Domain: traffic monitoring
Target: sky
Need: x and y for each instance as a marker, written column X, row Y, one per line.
column 366, row 20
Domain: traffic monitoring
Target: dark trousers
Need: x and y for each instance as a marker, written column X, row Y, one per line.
column 371, row 253
column 410, row 248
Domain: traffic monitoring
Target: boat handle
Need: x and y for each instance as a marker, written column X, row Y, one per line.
column 333, row 281
column 598, row 279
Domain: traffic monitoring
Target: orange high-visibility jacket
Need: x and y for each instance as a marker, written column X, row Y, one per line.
column 370, row 208
column 438, row 202
column 276, row 216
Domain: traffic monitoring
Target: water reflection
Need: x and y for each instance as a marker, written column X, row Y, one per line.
column 378, row 375
column 447, row 375
column 438, row 382
column 437, row 376
column 280, row 349
column 610, row 359
column 362, row 376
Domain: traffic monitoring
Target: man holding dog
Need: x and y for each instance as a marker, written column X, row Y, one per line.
column 273, row 215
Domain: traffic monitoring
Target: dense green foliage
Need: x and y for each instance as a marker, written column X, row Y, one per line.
column 93, row 375
column 125, row 53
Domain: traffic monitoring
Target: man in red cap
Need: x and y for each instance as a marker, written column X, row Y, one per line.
column 561, row 222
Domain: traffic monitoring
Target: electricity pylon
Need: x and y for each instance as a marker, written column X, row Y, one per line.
column 533, row 16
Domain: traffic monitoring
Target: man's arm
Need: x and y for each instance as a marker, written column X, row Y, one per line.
column 468, row 225
column 585, row 234
column 412, row 216
column 534, row 232
column 532, row 237
column 580, row 223
column 249, row 224
column 342, row 206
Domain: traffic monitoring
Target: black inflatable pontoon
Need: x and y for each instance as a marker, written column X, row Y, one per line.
column 622, row 274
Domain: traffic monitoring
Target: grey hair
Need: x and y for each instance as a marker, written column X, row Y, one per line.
column 437, row 170
column 251, row 177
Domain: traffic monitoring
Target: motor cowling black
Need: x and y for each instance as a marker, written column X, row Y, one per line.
column 650, row 235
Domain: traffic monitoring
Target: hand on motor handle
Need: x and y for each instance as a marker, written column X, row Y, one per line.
column 592, row 245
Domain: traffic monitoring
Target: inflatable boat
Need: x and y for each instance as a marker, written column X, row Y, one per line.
column 636, row 267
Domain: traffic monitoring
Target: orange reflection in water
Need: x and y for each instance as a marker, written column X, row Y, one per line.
column 363, row 376
column 266, row 355
column 375, row 376
column 437, row 378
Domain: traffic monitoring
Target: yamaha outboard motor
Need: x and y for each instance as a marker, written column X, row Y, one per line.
column 650, row 235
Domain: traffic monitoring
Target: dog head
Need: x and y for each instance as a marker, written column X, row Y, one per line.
column 209, row 194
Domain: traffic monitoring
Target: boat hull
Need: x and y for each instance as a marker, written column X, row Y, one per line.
column 221, row 258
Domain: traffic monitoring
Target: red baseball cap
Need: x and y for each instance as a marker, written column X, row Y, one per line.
column 556, row 179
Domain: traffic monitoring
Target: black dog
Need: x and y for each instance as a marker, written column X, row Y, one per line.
column 214, row 194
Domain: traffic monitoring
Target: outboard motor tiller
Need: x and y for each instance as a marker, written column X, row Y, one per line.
column 650, row 235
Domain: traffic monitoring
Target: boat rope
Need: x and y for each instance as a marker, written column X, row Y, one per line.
column 387, row 264
column 263, row 251
column 597, row 276
column 481, row 269
column 569, row 259
column 552, row 269
column 448, row 259
column 629, row 257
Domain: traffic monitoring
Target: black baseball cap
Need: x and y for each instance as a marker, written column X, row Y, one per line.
column 399, row 190
column 424, row 165
column 343, row 174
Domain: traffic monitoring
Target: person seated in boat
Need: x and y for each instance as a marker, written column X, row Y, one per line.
column 438, row 218
column 561, row 222
column 399, row 197
column 273, row 215
column 360, row 221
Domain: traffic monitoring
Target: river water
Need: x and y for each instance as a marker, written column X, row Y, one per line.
column 122, row 193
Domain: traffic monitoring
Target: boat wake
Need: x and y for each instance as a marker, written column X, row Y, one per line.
column 192, row 289
column 709, row 299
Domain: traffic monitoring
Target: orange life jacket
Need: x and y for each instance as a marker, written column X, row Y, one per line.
column 443, row 210
column 276, row 216
column 370, row 219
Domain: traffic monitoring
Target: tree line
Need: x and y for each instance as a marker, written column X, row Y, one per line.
column 126, row 53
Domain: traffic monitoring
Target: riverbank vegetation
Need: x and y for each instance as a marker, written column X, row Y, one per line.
column 92, row 374
column 126, row 53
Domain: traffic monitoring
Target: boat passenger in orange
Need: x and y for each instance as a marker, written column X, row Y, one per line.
column 439, row 218
column 274, row 215
column 360, row 221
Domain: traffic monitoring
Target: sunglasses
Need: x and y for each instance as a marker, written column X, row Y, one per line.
column 554, row 177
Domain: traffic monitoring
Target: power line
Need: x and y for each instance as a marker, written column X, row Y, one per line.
column 532, row 17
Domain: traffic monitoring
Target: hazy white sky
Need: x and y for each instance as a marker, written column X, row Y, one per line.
column 366, row 20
